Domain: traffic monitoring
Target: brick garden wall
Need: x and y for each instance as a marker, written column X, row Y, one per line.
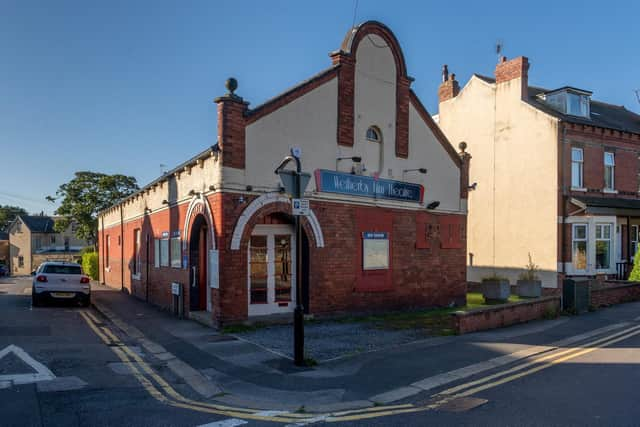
column 614, row 293
column 505, row 314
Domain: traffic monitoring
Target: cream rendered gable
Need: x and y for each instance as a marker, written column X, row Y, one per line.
column 310, row 122
column 513, row 211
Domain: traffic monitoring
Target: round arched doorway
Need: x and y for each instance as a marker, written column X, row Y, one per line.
column 198, row 262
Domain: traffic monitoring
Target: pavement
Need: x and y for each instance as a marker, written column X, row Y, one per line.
column 128, row 363
column 251, row 375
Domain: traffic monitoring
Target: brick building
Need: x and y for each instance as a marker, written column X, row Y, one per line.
column 387, row 195
column 556, row 172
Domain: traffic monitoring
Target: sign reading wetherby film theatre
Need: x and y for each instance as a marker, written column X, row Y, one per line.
column 367, row 186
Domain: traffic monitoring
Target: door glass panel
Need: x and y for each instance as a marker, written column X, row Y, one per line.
column 259, row 273
column 283, row 267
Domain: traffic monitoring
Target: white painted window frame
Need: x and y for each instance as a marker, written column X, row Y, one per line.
column 591, row 246
column 610, row 169
column 272, row 307
column 580, row 165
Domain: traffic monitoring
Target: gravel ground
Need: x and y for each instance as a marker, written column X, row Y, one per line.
column 327, row 340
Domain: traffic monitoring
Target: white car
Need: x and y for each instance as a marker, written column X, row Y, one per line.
column 57, row 280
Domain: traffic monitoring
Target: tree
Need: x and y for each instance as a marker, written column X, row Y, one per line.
column 85, row 196
column 8, row 213
column 635, row 273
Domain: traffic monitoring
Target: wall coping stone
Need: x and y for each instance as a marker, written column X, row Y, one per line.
column 499, row 307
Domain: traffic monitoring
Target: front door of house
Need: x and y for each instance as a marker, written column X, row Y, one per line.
column 271, row 270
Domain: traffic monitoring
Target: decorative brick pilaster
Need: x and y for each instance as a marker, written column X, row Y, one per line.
column 464, row 175
column 231, row 129
column 346, row 89
column 402, row 116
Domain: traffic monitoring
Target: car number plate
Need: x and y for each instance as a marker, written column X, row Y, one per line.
column 63, row 294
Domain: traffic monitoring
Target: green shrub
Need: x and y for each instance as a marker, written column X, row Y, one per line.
column 635, row 273
column 90, row 264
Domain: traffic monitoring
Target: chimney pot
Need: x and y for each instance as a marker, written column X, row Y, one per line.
column 445, row 73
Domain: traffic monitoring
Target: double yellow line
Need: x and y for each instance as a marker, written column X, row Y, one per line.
column 536, row 364
column 159, row 389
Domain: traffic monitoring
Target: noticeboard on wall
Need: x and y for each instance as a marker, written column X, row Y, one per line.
column 375, row 250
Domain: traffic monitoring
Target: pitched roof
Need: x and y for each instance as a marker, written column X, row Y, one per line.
column 602, row 114
column 38, row 224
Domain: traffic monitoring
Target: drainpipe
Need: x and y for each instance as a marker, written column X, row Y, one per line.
column 563, row 232
column 103, row 250
column 121, row 248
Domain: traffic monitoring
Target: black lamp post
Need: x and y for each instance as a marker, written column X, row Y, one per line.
column 298, row 313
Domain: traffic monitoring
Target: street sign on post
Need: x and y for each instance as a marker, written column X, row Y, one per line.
column 295, row 183
column 300, row 207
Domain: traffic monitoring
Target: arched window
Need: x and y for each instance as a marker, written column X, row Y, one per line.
column 373, row 134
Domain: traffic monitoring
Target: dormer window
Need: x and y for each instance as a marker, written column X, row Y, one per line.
column 568, row 100
column 577, row 105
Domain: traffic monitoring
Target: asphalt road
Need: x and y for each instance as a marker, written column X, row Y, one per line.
column 87, row 391
column 580, row 385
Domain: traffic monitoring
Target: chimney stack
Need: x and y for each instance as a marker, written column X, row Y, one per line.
column 517, row 68
column 449, row 88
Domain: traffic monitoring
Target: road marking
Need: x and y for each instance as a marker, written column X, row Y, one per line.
column 158, row 388
column 467, row 371
column 42, row 372
column 230, row 422
column 554, row 359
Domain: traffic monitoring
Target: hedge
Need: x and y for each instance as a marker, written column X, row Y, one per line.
column 90, row 264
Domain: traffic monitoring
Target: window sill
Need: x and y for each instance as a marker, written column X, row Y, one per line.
column 135, row 276
column 584, row 190
column 607, row 191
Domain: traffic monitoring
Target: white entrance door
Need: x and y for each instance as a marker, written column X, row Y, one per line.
column 271, row 270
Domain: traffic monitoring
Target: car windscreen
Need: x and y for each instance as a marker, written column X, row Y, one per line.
column 62, row 269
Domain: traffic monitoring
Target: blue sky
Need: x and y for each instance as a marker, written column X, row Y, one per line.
column 124, row 86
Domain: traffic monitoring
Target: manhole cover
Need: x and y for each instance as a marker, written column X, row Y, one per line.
column 462, row 404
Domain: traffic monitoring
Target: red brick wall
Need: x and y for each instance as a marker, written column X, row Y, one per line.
column 594, row 142
column 615, row 294
column 418, row 277
column 506, row 315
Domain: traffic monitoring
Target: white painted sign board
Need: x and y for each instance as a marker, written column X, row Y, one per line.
column 300, row 207
column 213, row 269
column 175, row 288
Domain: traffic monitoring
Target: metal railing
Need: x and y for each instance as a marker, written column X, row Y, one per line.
column 623, row 269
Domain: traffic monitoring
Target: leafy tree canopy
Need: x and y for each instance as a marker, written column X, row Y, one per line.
column 8, row 213
column 87, row 194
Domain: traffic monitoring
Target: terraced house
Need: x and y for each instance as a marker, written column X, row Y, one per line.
column 556, row 172
column 386, row 228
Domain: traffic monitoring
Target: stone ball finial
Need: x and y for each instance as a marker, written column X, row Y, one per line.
column 462, row 146
column 231, row 84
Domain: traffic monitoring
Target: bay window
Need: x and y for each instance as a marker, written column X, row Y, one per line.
column 579, row 246
column 603, row 246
